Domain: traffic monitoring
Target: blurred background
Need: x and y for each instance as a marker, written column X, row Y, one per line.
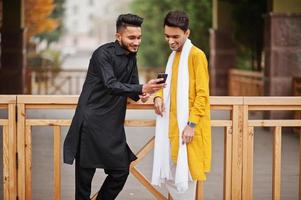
column 253, row 48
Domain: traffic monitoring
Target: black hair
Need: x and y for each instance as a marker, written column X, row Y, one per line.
column 125, row 20
column 177, row 19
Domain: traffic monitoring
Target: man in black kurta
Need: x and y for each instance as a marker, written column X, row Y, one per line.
column 96, row 138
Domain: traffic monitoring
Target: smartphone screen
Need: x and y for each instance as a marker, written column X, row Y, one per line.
column 162, row 75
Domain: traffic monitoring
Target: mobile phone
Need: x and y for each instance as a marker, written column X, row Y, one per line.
column 162, row 75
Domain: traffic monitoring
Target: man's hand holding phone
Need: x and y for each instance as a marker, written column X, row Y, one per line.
column 154, row 85
column 162, row 75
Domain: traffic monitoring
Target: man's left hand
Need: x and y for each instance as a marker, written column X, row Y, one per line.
column 144, row 97
column 187, row 135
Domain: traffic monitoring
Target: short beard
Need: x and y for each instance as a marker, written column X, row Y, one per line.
column 126, row 48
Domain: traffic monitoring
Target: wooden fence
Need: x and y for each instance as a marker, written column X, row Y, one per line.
column 53, row 82
column 238, row 142
column 245, row 83
column 69, row 81
column 8, row 124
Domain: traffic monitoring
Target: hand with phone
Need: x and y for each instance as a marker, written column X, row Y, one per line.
column 153, row 85
column 162, row 75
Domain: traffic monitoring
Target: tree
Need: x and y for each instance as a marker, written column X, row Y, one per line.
column 248, row 17
column 37, row 19
column 154, row 51
column 58, row 14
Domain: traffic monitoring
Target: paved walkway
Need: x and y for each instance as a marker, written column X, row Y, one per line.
column 43, row 163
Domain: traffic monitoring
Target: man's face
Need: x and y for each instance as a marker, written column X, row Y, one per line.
column 175, row 37
column 129, row 38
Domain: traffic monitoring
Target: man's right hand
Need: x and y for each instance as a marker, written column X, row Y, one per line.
column 159, row 106
column 153, row 86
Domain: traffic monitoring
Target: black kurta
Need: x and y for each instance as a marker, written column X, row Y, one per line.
column 98, row 124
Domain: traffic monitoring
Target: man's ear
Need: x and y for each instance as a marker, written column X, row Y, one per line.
column 118, row 37
column 187, row 33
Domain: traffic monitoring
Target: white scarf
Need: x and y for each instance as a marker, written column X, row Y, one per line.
column 161, row 163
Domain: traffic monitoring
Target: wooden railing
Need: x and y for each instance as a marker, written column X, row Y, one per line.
column 238, row 142
column 8, row 125
column 54, row 82
column 69, row 81
column 245, row 83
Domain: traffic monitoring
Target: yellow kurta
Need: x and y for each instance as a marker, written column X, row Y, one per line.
column 199, row 150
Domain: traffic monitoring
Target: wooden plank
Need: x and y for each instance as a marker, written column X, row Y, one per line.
column 28, row 163
column 247, row 170
column 57, row 162
column 221, row 123
column 226, row 100
column 21, row 151
column 218, row 107
column 245, row 136
column 240, row 72
column 248, row 166
column 48, row 122
column 274, row 123
column 147, row 184
column 227, row 163
column 3, row 122
column 6, row 178
column 199, row 191
column 137, row 106
column 3, row 106
column 67, row 122
column 274, row 107
column 48, row 99
column 7, row 99
column 140, row 123
column 12, row 137
column 237, row 152
column 279, row 101
column 276, row 164
column 42, row 106
column 143, row 151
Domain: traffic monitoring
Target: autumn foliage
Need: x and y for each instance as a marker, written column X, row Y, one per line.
column 37, row 18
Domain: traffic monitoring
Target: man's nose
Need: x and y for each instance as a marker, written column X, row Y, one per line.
column 171, row 41
column 137, row 42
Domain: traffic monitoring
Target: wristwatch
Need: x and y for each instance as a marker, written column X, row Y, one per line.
column 191, row 124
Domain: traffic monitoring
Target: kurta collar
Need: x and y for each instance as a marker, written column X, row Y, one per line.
column 119, row 50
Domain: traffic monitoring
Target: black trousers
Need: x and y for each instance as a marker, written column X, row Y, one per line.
column 109, row 190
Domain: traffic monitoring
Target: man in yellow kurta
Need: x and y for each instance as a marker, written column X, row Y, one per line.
column 197, row 133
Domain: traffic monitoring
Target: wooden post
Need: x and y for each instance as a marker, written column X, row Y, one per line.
column 12, row 139
column 28, row 163
column 237, row 118
column 21, row 151
column 57, row 162
column 6, row 178
column 277, row 163
column 227, row 163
